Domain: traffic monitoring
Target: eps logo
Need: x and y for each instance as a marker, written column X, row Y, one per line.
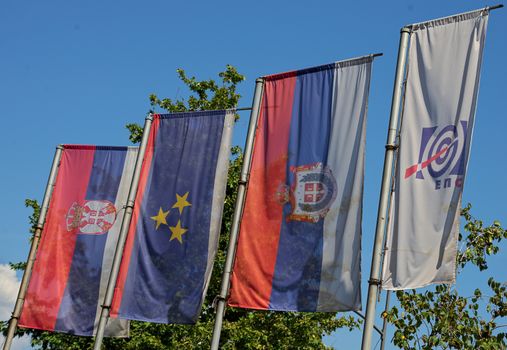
column 441, row 155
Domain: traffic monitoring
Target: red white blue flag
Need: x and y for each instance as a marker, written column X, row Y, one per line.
column 444, row 61
column 75, row 254
column 300, row 236
column 176, row 221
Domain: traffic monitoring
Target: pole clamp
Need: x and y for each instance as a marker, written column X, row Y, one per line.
column 37, row 226
column 392, row 147
column 375, row 281
column 407, row 29
column 215, row 302
column 242, row 182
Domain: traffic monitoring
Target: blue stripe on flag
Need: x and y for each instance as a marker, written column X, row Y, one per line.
column 79, row 304
column 296, row 278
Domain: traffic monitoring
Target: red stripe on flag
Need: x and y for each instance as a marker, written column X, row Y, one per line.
column 56, row 248
column 252, row 276
column 413, row 169
column 129, row 244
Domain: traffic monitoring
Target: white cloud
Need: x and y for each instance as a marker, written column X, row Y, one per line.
column 9, row 286
column 18, row 343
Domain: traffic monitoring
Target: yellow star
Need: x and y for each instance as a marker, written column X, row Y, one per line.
column 181, row 202
column 177, row 232
column 160, row 217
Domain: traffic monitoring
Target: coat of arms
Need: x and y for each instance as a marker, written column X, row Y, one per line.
column 312, row 193
column 93, row 217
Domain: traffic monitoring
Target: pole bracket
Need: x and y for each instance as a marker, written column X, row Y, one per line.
column 407, row 29
column 392, row 147
column 129, row 205
column 217, row 299
column 38, row 226
column 375, row 281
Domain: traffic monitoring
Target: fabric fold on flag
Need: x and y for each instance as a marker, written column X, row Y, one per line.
column 300, row 235
column 444, row 61
column 74, row 258
column 173, row 236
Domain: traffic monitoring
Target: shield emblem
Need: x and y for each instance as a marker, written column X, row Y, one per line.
column 93, row 217
column 313, row 192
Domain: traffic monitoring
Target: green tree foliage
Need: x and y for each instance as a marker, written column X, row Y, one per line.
column 242, row 329
column 205, row 95
column 441, row 318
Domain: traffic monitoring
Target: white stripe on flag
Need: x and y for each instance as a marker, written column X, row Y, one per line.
column 219, row 188
column 340, row 284
column 116, row 327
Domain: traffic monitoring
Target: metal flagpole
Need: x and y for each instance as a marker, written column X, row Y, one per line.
column 13, row 323
column 384, row 323
column 238, row 212
column 374, row 280
column 115, row 268
column 383, row 334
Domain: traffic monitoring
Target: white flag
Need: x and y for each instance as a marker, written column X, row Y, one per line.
column 444, row 61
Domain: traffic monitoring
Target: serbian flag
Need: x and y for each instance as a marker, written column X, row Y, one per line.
column 176, row 221
column 74, row 258
column 300, row 236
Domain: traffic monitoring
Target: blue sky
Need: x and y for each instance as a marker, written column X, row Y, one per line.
column 77, row 72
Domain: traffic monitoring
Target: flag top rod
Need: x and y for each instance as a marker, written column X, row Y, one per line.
column 385, row 191
column 13, row 323
column 238, row 211
column 495, row 7
column 120, row 245
column 332, row 65
column 487, row 8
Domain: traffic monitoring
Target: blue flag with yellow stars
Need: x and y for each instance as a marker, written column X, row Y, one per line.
column 175, row 226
